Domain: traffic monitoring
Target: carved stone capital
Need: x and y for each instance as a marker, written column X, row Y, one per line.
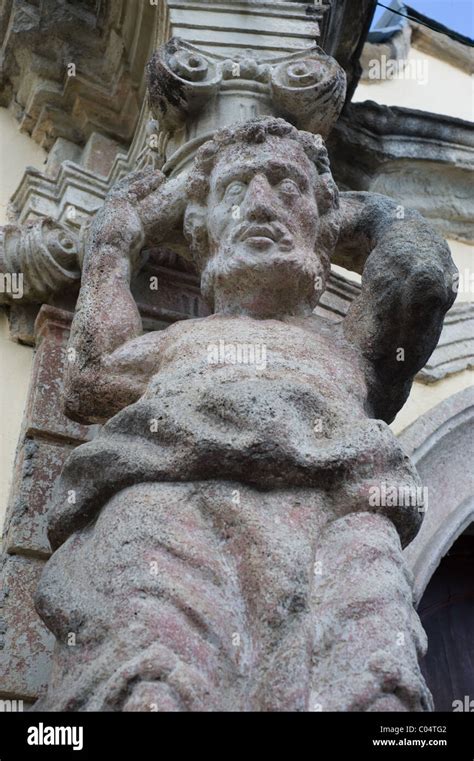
column 309, row 90
column 188, row 86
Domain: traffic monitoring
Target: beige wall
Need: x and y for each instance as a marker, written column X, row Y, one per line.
column 17, row 151
column 426, row 84
column 15, row 367
column 424, row 397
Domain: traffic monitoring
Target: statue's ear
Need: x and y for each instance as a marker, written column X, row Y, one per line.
column 195, row 231
column 329, row 215
column 328, row 194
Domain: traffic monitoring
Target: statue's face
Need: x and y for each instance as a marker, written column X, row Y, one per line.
column 262, row 200
column 262, row 219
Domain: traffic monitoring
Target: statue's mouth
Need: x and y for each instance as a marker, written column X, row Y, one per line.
column 259, row 234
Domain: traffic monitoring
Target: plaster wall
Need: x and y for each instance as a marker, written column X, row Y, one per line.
column 426, row 84
column 17, row 151
column 15, row 368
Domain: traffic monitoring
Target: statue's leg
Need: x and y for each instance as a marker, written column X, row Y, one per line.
column 144, row 605
column 217, row 596
column 368, row 636
column 270, row 536
column 185, row 597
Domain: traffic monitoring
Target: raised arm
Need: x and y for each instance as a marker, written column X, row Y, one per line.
column 408, row 284
column 140, row 209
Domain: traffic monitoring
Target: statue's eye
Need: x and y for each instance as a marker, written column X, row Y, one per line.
column 235, row 191
column 288, row 187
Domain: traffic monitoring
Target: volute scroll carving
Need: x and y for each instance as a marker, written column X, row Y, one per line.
column 307, row 87
column 44, row 254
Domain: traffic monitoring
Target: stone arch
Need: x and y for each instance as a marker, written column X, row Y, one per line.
column 441, row 444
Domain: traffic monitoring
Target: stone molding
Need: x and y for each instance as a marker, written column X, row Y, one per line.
column 424, row 160
column 39, row 42
column 455, row 350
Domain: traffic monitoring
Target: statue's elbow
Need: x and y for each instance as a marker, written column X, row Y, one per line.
column 433, row 288
column 81, row 401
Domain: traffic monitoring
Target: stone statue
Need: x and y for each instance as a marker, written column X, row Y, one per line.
column 217, row 546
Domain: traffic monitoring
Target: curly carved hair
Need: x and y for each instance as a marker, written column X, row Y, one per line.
column 253, row 132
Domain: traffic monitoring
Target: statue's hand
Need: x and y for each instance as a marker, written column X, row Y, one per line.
column 137, row 185
column 118, row 232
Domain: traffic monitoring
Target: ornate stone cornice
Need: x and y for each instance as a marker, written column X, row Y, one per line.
column 425, row 160
column 72, row 196
column 70, row 69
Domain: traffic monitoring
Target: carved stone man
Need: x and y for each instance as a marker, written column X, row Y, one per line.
column 217, row 546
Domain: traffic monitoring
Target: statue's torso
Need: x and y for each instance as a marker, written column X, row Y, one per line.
column 295, row 417
column 221, row 356
column 271, row 402
column 266, row 400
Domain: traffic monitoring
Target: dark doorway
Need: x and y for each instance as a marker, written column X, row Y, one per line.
column 447, row 614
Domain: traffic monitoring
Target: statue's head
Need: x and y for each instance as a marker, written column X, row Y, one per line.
column 262, row 218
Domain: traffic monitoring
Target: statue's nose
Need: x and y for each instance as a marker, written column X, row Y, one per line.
column 258, row 205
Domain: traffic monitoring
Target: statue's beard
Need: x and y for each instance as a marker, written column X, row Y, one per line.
column 283, row 283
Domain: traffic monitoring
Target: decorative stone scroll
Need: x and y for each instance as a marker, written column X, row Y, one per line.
column 188, row 85
column 40, row 258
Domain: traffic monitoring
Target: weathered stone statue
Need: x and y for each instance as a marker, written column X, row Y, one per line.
column 218, row 546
